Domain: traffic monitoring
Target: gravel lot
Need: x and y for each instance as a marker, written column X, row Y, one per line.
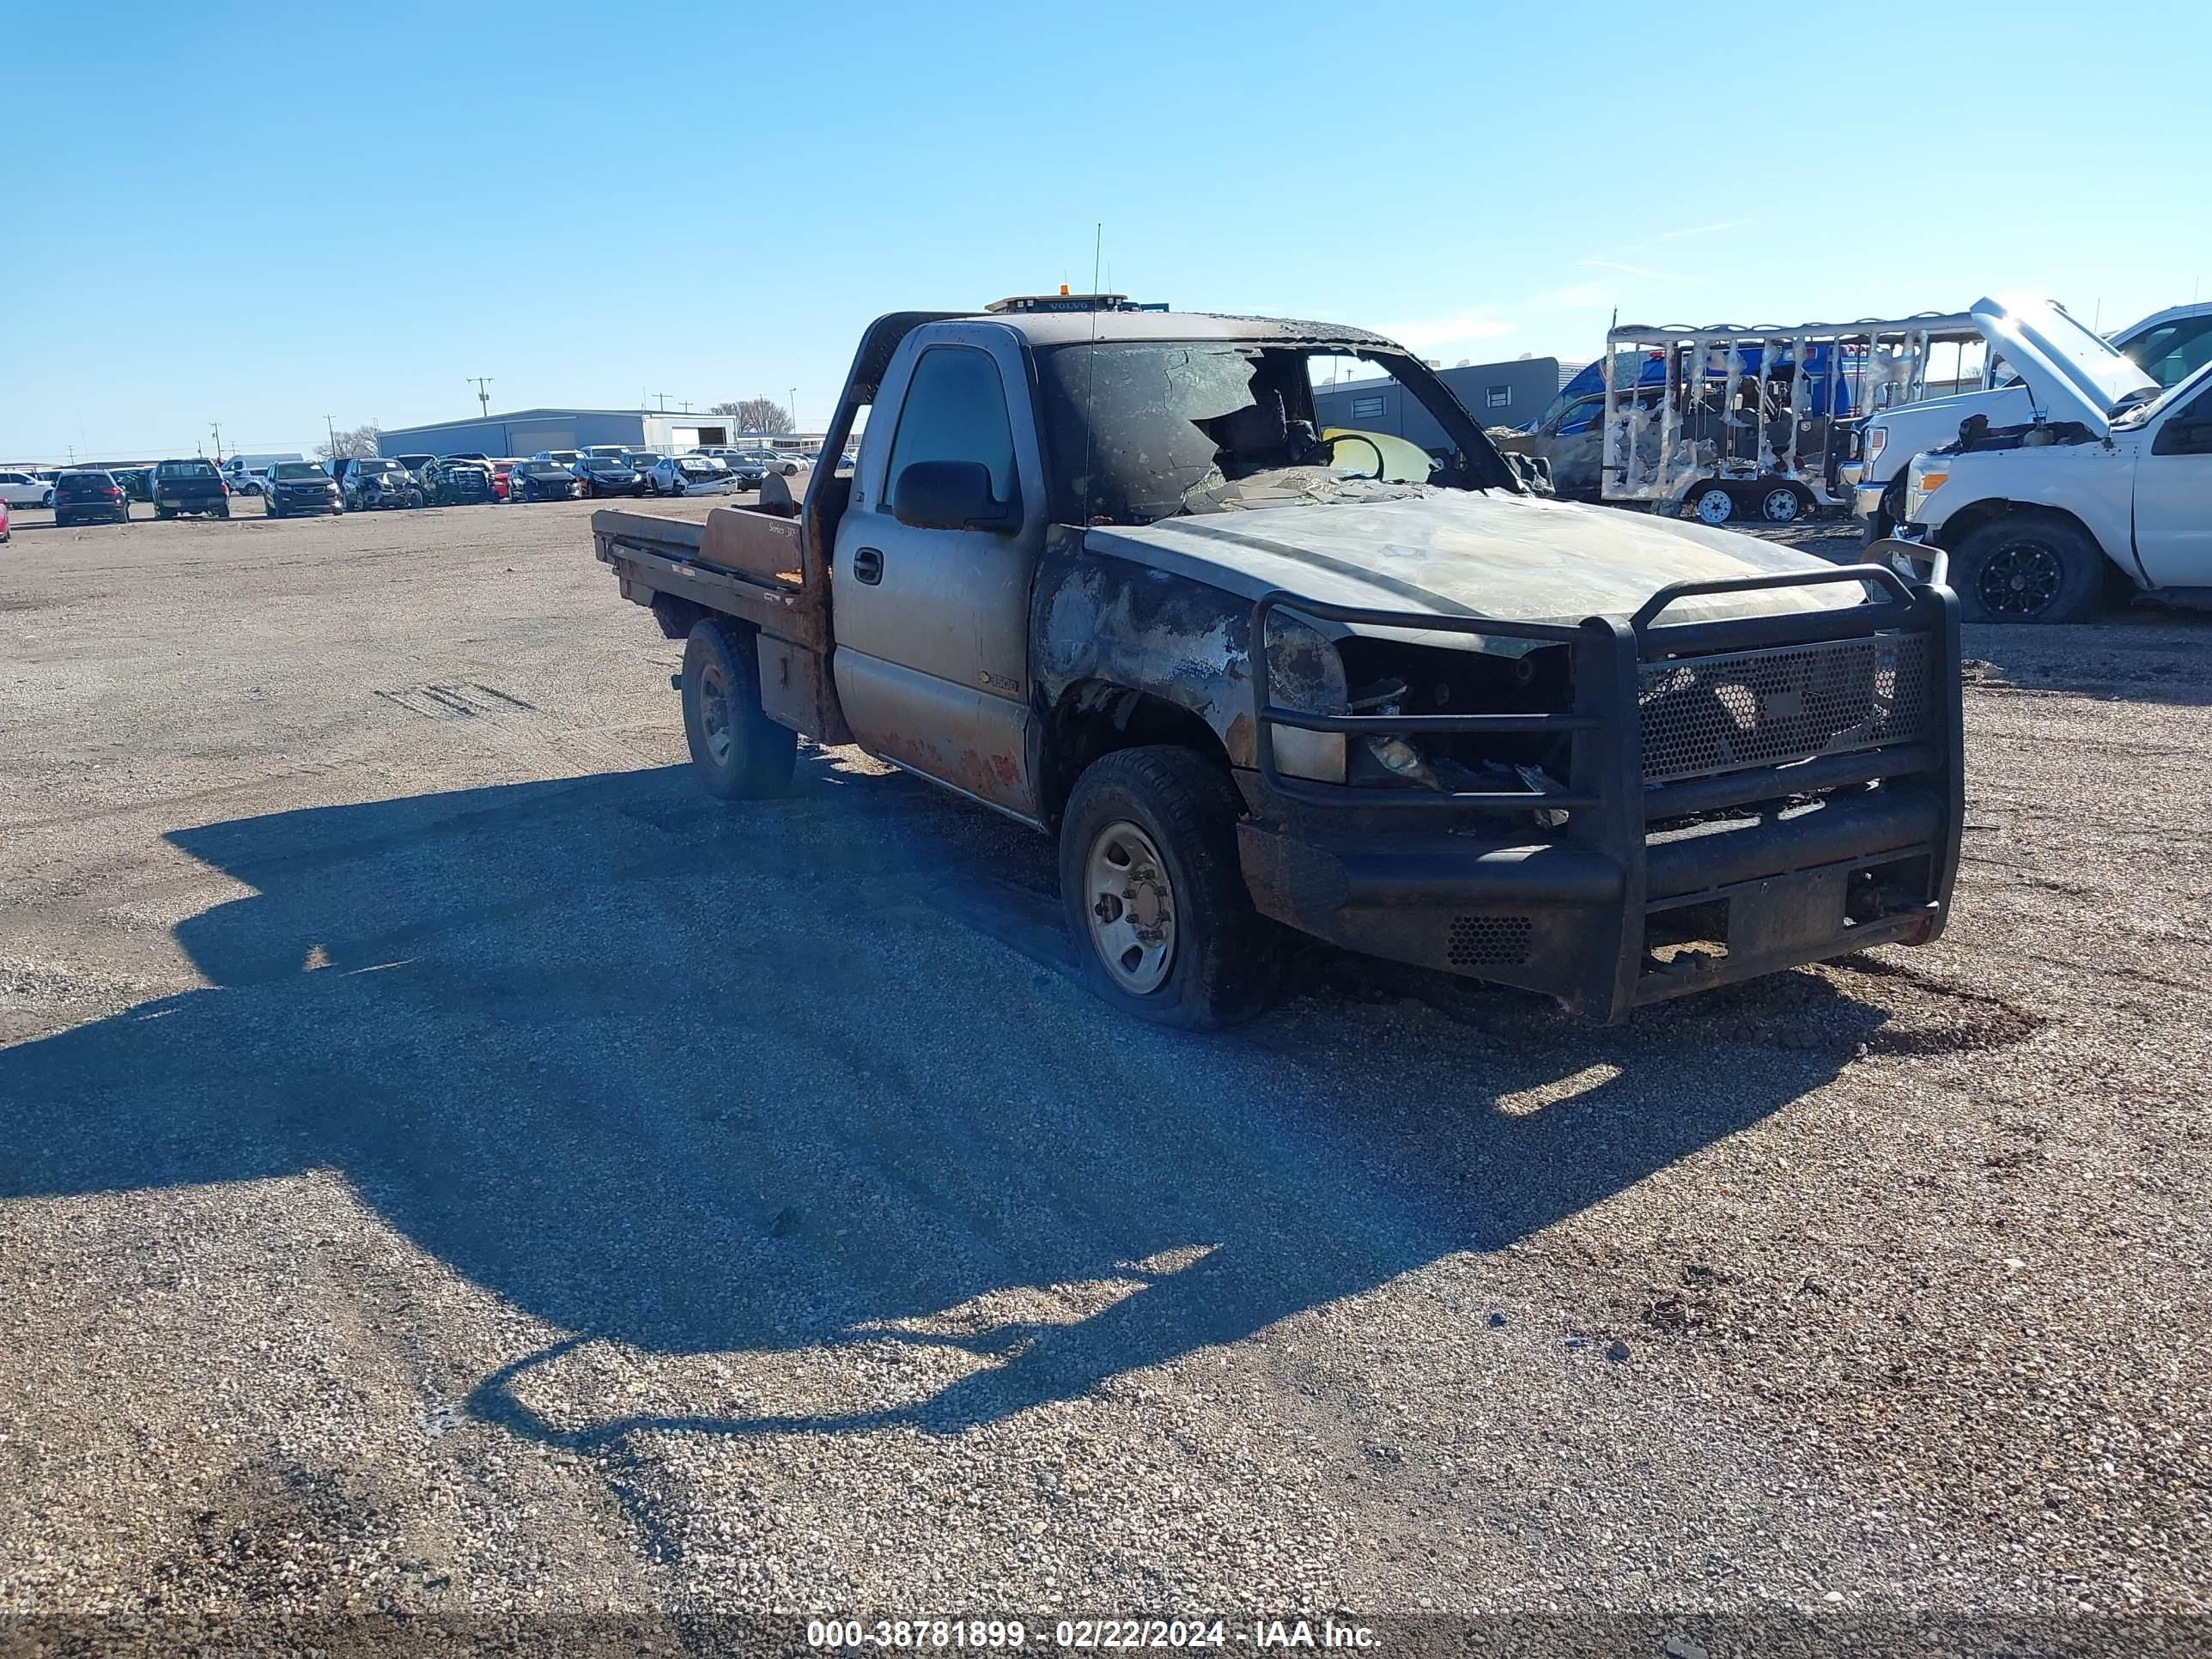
column 447, row 1164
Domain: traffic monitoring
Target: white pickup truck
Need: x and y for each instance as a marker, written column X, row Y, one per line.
column 2039, row 517
column 2042, row 364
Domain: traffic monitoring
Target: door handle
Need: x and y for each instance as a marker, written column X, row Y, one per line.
column 867, row 565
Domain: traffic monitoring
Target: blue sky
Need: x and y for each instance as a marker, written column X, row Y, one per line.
column 260, row 216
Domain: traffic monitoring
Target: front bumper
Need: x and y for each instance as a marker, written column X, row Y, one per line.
column 1866, row 501
column 1679, row 867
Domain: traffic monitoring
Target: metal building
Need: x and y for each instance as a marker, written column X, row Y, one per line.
column 1496, row 394
column 529, row 430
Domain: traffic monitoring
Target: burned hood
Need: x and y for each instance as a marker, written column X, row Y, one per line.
column 1451, row 553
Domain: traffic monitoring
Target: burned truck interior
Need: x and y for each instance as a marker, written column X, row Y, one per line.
column 1146, row 430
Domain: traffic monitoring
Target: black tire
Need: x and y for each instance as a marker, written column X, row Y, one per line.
column 223, row 512
column 677, row 488
column 125, row 518
column 1220, row 968
column 1884, row 523
column 271, row 510
column 738, row 751
column 2027, row 568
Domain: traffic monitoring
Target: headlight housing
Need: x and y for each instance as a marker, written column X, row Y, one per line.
column 1876, row 437
column 1923, row 480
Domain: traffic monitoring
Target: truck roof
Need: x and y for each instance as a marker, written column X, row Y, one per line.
column 1078, row 327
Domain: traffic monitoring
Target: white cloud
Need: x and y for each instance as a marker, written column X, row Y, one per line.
column 1575, row 294
column 1632, row 270
column 1700, row 230
column 1449, row 331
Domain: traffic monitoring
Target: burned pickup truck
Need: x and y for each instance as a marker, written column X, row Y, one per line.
column 1099, row 569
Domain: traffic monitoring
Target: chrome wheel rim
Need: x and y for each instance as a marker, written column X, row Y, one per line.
column 1714, row 505
column 1780, row 506
column 2020, row 580
column 714, row 716
column 1129, row 902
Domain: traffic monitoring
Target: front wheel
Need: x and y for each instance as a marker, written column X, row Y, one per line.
column 1153, row 892
column 2027, row 567
column 739, row 752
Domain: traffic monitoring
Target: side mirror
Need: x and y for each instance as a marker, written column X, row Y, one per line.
column 952, row 495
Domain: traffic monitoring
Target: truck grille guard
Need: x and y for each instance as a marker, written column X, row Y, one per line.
column 1669, row 720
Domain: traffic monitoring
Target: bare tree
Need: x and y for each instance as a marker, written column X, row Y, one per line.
column 755, row 414
column 354, row 442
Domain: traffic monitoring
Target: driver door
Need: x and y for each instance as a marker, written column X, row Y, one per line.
column 931, row 662
column 2173, row 497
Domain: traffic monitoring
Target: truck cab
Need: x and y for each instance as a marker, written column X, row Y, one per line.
column 1098, row 568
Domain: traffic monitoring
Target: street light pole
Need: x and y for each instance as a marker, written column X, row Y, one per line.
column 792, row 408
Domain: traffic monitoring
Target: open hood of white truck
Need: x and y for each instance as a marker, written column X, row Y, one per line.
column 2071, row 372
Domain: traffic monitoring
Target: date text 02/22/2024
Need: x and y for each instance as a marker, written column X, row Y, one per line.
column 1111, row 1634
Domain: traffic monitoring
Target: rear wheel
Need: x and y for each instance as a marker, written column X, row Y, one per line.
column 1780, row 505
column 1713, row 505
column 739, row 752
column 2027, row 567
column 1153, row 892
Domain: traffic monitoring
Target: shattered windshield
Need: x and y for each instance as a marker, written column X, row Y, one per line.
column 1140, row 430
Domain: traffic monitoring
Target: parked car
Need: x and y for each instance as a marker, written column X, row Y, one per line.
column 137, row 482
column 451, row 482
column 25, row 490
column 2169, row 345
column 693, row 474
column 244, row 481
column 500, row 469
column 540, row 481
column 598, row 475
column 89, row 496
column 603, row 452
column 371, row 483
column 2035, row 517
column 418, row 468
column 2042, row 364
column 642, row 460
column 194, row 486
column 296, row 487
column 563, row 458
column 7, row 534
column 775, row 461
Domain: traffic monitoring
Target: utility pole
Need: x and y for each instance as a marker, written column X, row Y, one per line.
column 663, row 397
column 216, row 427
column 687, row 406
column 483, row 397
column 334, row 436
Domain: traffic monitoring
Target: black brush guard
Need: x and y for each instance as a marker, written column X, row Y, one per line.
column 1769, row 830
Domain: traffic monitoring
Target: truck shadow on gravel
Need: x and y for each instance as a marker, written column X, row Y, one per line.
column 689, row 1080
